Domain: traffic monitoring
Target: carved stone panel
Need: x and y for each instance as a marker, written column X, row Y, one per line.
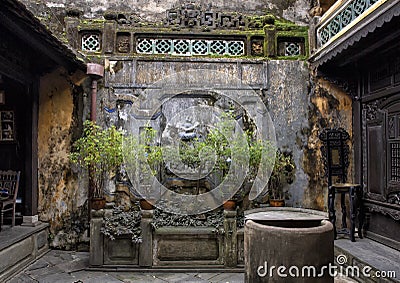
column 257, row 46
column 188, row 249
column 191, row 15
column 187, row 246
column 120, row 251
column 123, row 44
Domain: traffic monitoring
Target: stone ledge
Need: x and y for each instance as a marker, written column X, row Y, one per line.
column 366, row 252
column 180, row 230
column 9, row 236
column 21, row 246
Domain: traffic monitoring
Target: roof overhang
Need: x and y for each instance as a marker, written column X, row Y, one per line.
column 30, row 31
column 347, row 44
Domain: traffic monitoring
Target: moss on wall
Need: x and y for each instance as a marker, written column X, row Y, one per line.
column 330, row 107
column 61, row 198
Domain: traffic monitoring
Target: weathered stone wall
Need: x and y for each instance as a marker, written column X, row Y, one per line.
column 300, row 104
column 330, row 107
column 62, row 194
column 288, row 103
column 154, row 10
column 285, row 91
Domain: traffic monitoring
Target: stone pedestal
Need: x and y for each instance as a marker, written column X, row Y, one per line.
column 146, row 247
column 96, row 238
column 230, row 240
column 30, row 220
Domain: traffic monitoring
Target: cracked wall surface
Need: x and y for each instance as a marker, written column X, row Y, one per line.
column 154, row 10
column 62, row 193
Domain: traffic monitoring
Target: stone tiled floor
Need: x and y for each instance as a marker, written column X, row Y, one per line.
column 70, row 267
column 60, row 266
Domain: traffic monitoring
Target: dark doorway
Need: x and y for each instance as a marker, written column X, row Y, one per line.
column 16, row 139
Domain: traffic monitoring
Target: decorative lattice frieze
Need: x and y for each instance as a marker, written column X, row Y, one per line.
column 189, row 47
column 292, row 49
column 91, row 42
column 343, row 18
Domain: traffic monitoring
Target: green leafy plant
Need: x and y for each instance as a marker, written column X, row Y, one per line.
column 225, row 142
column 100, row 152
column 282, row 174
column 221, row 144
column 142, row 156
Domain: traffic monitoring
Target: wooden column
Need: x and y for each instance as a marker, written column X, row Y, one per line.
column 30, row 177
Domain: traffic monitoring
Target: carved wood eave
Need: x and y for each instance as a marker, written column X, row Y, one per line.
column 20, row 22
column 383, row 208
column 375, row 20
column 347, row 84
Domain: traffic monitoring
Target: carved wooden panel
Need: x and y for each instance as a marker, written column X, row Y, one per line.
column 380, row 78
column 376, row 160
column 382, row 74
column 394, row 153
column 397, row 70
column 335, row 154
column 7, row 128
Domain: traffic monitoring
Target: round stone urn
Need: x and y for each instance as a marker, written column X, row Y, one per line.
column 288, row 245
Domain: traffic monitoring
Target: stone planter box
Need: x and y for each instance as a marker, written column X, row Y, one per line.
column 168, row 247
column 187, row 246
column 121, row 251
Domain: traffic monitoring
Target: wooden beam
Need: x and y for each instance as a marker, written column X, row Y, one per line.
column 15, row 72
column 34, row 40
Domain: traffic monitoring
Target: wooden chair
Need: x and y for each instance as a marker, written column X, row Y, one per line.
column 335, row 153
column 9, row 183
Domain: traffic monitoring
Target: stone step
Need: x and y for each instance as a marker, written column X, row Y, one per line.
column 21, row 245
column 375, row 262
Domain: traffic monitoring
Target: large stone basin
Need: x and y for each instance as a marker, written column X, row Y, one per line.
column 288, row 245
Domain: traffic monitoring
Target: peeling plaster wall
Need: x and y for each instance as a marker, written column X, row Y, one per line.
column 62, row 195
column 330, row 107
column 154, row 10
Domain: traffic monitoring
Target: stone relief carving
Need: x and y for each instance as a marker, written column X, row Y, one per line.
column 257, row 47
column 123, row 45
column 192, row 15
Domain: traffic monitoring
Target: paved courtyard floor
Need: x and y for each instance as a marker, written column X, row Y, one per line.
column 72, row 267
